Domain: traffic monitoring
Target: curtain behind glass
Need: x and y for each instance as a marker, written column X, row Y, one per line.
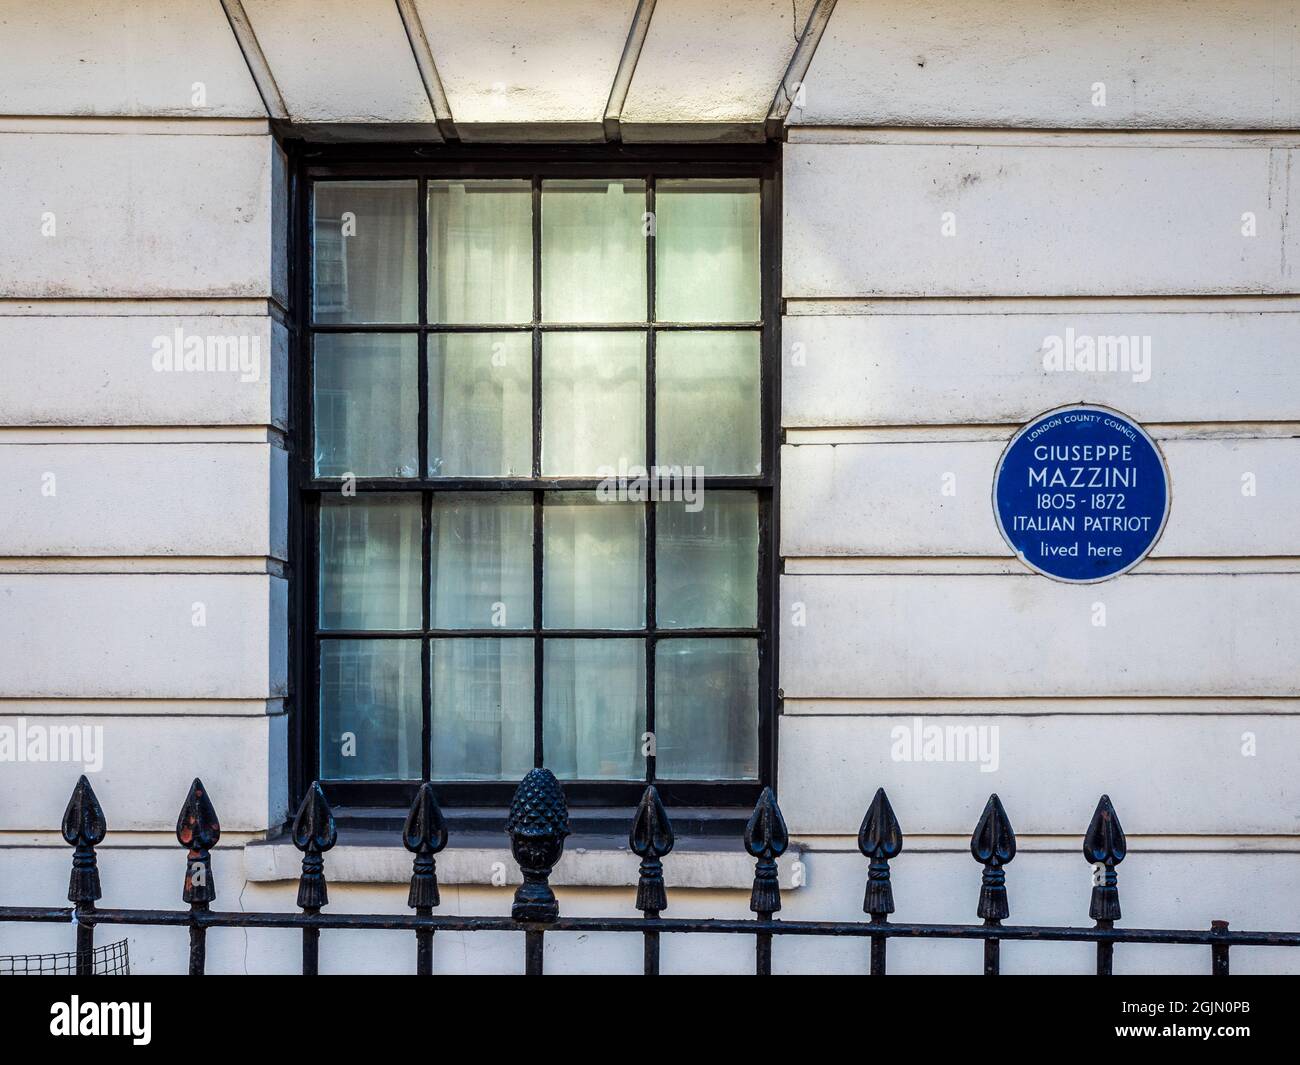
column 365, row 251
column 593, row 251
column 480, row 252
column 594, row 711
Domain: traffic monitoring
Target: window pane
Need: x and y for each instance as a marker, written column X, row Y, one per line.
column 706, row 709
column 594, row 709
column 593, row 563
column 370, row 709
column 482, row 561
column 706, row 251
column 593, row 251
column 480, row 251
column 707, row 406
column 707, row 562
column 480, row 405
column 364, row 395
column 482, row 708
column 369, row 563
column 593, row 402
column 364, row 251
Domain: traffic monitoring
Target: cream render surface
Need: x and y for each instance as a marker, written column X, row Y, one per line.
column 953, row 196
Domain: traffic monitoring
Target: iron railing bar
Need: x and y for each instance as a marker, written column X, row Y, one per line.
column 713, row 926
column 38, row 914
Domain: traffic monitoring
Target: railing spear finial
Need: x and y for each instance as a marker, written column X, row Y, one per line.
column 424, row 835
column 766, row 839
column 993, row 845
column 313, row 833
column 880, row 840
column 198, row 830
column 84, row 829
column 650, row 839
column 1105, row 845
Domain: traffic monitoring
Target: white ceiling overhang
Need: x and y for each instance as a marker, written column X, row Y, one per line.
column 472, row 70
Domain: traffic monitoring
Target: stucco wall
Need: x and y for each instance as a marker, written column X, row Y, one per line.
column 964, row 181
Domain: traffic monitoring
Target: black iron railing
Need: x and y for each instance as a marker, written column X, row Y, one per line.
column 538, row 823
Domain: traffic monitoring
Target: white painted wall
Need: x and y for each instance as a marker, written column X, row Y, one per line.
column 341, row 60
column 980, row 362
column 926, row 268
column 120, row 58
column 1056, row 217
column 1038, row 63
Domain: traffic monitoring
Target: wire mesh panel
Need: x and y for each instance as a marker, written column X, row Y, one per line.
column 111, row 959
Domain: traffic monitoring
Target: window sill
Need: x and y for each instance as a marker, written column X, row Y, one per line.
column 363, row 856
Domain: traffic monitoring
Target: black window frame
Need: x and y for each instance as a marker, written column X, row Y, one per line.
column 310, row 162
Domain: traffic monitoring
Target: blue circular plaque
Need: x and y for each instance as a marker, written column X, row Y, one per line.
column 1081, row 494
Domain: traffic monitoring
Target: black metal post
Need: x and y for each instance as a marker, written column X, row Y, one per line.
column 537, row 825
column 84, row 829
column 424, row 945
column 198, row 830
column 1219, row 951
column 650, row 839
column 879, row 944
column 992, row 953
column 311, row 949
column 85, row 939
column 650, row 953
column 1105, row 845
column 424, row 835
column 993, row 845
column 763, row 949
column 313, row 833
column 198, row 942
column 766, row 839
column 1105, row 952
column 879, row 839
column 533, row 951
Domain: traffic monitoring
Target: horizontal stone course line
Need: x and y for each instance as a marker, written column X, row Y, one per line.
column 120, row 125
column 253, row 565
column 139, row 307
column 984, row 566
column 850, row 306
column 1044, row 136
column 812, row 435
